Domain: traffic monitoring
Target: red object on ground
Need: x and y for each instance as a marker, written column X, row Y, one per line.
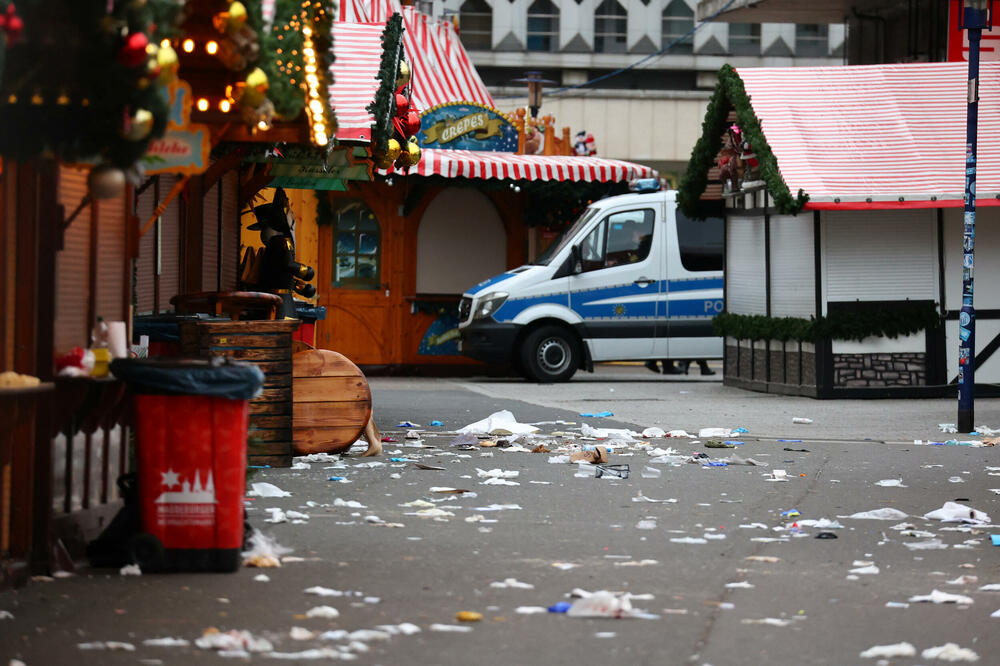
column 192, row 452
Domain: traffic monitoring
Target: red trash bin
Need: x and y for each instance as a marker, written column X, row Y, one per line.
column 191, row 448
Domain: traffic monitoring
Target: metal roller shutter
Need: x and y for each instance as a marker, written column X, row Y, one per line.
column 745, row 269
column 210, row 240
column 880, row 255
column 145, row 265
column 229, row 269
column 110, row 290
column 170, row 245
column 73, row 265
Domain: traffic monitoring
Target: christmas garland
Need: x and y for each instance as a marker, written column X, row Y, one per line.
column 281, row 57
column 384, row 105
column 98, row 94
column 835, row 326
column 731, row 93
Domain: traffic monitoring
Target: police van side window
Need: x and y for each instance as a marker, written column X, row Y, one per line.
column 700, row 243
column 621, row 238
column 630, row 235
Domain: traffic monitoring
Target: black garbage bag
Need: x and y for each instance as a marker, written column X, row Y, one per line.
column 217, row 377
column 111, row 548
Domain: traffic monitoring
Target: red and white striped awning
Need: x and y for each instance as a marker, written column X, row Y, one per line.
column 358, row 53
column 441, row 71
column 508, row 166
column 880, row 136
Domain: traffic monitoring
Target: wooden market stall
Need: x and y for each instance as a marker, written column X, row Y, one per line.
column 398, row 246
column 843, row 191
column 122, row 187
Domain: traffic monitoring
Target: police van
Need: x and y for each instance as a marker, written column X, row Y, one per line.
column 631, row 279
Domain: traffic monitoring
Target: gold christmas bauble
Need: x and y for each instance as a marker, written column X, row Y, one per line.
column 237, row 16
column 105, row 181
column 403, row 77
column 138, row 126
column 414, row 150
column 382, row 162
column 166, row 58
column 393, row 150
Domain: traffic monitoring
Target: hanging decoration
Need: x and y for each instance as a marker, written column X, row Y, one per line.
column 397, row 122
column 731, row 94
column 238, row 47
column 106, row 111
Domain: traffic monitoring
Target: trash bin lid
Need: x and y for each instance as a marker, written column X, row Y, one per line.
column 216, row 377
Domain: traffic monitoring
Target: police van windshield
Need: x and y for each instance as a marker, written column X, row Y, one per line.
column 565, row 238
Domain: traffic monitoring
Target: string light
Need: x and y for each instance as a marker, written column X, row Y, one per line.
column 202, row 104
column 164, row 43
column 314, row 109
column 212, row 47
column 225, row 105
column 188, row 45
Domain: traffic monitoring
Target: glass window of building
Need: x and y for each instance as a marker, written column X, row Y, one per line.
column 678, row 20
column 543, row 26
column 811, row 40
column 356, row 253
column 475, row 25
column 744, row 39
column 610, row 27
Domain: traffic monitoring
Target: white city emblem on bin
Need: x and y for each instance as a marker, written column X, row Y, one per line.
column 191, row 505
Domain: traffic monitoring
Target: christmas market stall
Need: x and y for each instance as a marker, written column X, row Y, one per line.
column 843, row 191
column 123, row 127
column 451, row 199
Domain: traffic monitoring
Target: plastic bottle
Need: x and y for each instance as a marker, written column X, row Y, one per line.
column 99, row 346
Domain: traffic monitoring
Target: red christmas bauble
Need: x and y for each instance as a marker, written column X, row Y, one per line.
column 133, row 52
column 402, row 105
column 412, row 123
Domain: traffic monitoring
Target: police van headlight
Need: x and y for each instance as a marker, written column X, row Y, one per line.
column 489, row 304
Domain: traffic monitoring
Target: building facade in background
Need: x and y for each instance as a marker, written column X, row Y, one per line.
column 650, row 114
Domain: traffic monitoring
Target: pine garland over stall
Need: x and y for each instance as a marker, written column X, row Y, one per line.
column 856, row 325
column 730, row 93
column 384, row 105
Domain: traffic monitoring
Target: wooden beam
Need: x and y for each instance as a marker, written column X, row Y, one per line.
column 222, row 166
column 293, row 133
column 254, row 184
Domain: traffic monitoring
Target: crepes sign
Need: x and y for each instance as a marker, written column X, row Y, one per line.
column 467, row 126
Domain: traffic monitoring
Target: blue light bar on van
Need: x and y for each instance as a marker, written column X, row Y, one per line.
column 642, row 185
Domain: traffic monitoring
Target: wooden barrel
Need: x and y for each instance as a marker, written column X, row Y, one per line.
column 331, row 402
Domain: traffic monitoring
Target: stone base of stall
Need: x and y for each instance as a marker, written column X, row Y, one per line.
column 811, row 369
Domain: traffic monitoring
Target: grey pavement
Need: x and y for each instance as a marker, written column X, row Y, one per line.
column 798, row 605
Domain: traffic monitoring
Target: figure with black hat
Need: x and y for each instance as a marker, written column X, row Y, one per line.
column 278, row 272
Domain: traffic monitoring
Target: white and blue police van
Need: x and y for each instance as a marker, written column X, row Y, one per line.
column 632, row 279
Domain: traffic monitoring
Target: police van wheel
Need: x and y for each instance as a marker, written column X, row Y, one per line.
column 550, row 354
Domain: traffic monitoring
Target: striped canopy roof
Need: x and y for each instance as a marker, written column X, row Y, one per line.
column 441, row 69
column 880, row 136
column 441, row 73
column 508, row 166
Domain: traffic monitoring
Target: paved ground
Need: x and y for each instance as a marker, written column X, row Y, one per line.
column 799, row 605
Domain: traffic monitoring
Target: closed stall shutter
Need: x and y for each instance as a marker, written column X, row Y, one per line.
column 73, row 265
column 745, row 267
column 210, row 240
column 145, row 265
column 880, row 255
column 793, row 266
column 229, row 269
column 110, row 287
column 170, row 245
